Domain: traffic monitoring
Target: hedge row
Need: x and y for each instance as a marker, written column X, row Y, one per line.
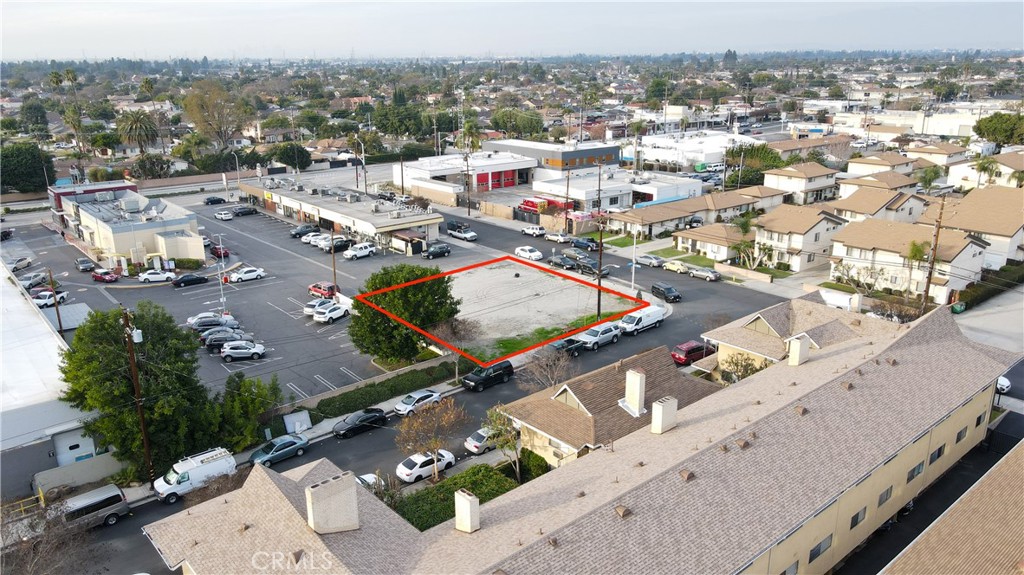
column 993, row 284
column 436, row 504
column 375, row 393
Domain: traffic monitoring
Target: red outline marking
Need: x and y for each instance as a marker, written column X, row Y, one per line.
column 362, row 298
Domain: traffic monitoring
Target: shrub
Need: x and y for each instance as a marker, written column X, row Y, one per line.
column 664, row 234
column 532, row 465
column 782, row 266
column 992, row 284
column 188, row 263
column 435, row 505
column 383, row 390
column 125, row 477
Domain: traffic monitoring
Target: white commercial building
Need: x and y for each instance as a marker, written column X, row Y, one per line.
column 686, row 149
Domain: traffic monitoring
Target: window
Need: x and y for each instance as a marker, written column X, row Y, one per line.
column 595, row 204
column 810, row 258
column 858, row 517
column 884, row 496
column 92, row 507
column 977, row 422
column 613, row 201
column 917, row 470
column 936, row 454
column 817, row 236
column 820, row 548
column 792, row 569
column 961, row 435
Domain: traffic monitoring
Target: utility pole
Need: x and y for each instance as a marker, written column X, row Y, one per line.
column 600, row 243
column 931, row 257
column 220, row 276
column 56, row 304
column 401, row 165
column 566, row 206
column 130, row 336
column 334, row 260
column 739, row 176
column 465, row 180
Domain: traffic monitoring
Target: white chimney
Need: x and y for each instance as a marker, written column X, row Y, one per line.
column 663, row 414
column 635, row 388
column 331, row 504
column 798, row 349
column 467, row 511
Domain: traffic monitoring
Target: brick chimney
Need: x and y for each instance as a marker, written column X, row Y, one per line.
column 331, row 504
column 663, row 414
column 467, row 511
column 635, row 389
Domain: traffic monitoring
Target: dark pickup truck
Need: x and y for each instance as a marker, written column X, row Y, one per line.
column 569, row 345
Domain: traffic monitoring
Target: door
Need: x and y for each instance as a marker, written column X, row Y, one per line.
column 72, row 446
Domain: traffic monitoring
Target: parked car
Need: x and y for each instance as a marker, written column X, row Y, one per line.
column 192, row 319
column 650, row 260
column 84, row 264
column 208, row 322
column 218, row 340
column 311, row 307
column 188, row 280
column 242, row 350
column 705, row 274
column 558, row 237
column 562, row 262
column 103, row 506
column 363, row 420
column 29, row 281
column 207, row 242
column 339, row 245
column 438, row 250
column 1003, row 385
column 479, row 443
column 310, row 238
column 19, row 264
column 415, row 400
column 359, row 251
column 534, row 231
column 215, row 330
column 244, row 211
column 465, row 234
column 324, row 242
column 691, row 351
column 49, row 299
column 575, row 253
column 211, row 200
column 156, row 276
column 6, row 235
column 420, row 465
column 223, row 215
column 302, row 230
column 589, row 267
column 569, row 345
column 599, row 335
column 529, row 253
column 193, row 472
column 323, row 289
column 220, row 252
column 331, row 313
column 589, row 244
column 859, row 144
column 678, row 266
column 484, row 377
column 642, row 319
column 245, row 274
column 280, row 448
column 666, row 292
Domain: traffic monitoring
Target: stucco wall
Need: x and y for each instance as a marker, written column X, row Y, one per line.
column 79, row 473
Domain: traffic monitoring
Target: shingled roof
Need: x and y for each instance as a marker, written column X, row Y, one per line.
column 870, row 201
column 896, row 237
column 997, row 210
column 891, row 159
column 790, row 219
column 804, row 170
column 886, row 180
column 717, row 234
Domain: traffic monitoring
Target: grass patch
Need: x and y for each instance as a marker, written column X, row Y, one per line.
column 513, row 344
column 700, row 261
column 668, row 253
column 625, row 241
column 996, row 412
column 389, row 365
column 776, row 274
column 436, row 504
column 838, row 287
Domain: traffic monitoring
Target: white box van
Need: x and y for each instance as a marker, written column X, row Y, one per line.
column 641, row 319
column 716, row 167
column 193, row 472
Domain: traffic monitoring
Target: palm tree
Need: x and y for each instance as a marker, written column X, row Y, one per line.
column 886, row 99
column 55, row 80
column 146, row 88
column 928, row 176
column 137, row 127
column 988, row 166
column 1018, row 178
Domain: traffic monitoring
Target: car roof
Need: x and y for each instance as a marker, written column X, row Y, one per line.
column 689, row 345
column 422, row 392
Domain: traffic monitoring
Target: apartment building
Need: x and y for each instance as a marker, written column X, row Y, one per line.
column 992, row 214
column 867, row 203
column 1009, row 172
column 883, row 162
column 940, row 154
column 891, row 181
column 800, row 236
column 807, row 183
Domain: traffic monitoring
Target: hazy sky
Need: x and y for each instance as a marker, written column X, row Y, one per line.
column 38, row 29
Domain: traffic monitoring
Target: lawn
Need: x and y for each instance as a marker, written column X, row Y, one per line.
column 700, row 261
column 625, row 241
column 837, row 287
column 668, row 253
column 776, row 274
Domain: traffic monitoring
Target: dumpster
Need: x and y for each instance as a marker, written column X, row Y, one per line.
column 959, row 307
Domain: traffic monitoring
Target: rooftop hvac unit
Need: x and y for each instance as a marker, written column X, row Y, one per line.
column 129, row 204
column 394, row 215
column 373, row 208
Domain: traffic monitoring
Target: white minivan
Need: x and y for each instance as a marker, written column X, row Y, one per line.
column 641, row 319
column 194, row 472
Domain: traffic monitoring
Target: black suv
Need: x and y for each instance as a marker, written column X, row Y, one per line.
column 339, row 245
column 589, row 244
column 436, row 251
column 211, row 200
column 589, row 268
column 666, row 292
column 303, row 230
column 244, row 210
column 484, row 377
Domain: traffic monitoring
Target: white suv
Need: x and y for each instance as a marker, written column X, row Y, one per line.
column 359, row 251
column 330, row 313
column 535, row 231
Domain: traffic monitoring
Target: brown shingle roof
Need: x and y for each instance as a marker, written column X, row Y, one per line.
column 996, row 210
column 895, row 237
column 890, row 159
column 887, row 180
column 790, row 219
column 943, row 148
column 761, row 192
column 599, row 392
column 809, row 143
column 683, row 208
column 1012, row 160
column 717, row 234
column 870, row 201
column 804, row 170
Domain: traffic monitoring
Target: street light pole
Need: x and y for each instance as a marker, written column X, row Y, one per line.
column 56, row 304
column 362, row 148
column 238, row 172
column 220, row 276
column 130, row 336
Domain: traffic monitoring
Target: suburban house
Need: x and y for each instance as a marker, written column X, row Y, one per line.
column 237, row 140
column 595, row 409
column 808, row 182
column 714, row 207
column 714, row 241
column 799, row 464
column 878, row 251
column 994, row 214
column 942, row 153
column 882, row 204
column 800, row 236
column 883, row 162
column 837, row 146
column 1009, row 165
column 892, row 181
column 278, row 135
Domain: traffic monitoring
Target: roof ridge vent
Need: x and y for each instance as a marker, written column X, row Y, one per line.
column 846, row 385
column 801, row 410
column 742, row 443
column 687, row 475
column 623, row 511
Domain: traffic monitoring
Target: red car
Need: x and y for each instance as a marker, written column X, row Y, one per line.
column 691, row 351
column 219, row 252
column 102, row 275
column 323, row 289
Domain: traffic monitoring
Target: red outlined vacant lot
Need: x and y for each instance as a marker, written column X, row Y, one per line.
column 612, row 304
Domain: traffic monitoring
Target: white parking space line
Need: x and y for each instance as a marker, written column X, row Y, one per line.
column 321, row 379
column 325, row 328
column 350, row 373
column 340, row 334
column 240, row 365
column 344, row 345
column 291, row 314
column 297, row 391
column 297, row 302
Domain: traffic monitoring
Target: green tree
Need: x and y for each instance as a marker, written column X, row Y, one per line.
column 137, row 127
column 215, row 112
column 657, row 89
column 817, row 156
column 371, row 143
column 246, row 404
column 518, row 122
column 146, row 88
column 276, row 121
column 310, row 120
column 26, row 168
column 292, row 154
column 987, row 166
column 999, row 128
column 192, row 147
column 505, row 436
column 1018, row 178
column 425, row 305
column 180, row 417
column 739, row 366
column 108, row 140
column 10, row 125
column 33, row 114
column 101, row 110
column 151, row 167
column 928, row 176
column 835, row 92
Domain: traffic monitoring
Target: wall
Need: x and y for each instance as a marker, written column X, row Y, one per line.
column 80, row 473
column 496, row 210
column 18, row 465
column 734, row 271
column 423, row 189
column 539, row 443
column 175, row 247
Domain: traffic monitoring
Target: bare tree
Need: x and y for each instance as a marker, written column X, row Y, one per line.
column 860, row 278
column 739, row 366
column 429, row 429
column 457, row 332
column 548, row 368
column 42, row 543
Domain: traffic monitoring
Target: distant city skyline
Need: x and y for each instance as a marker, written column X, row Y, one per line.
column 156, row 30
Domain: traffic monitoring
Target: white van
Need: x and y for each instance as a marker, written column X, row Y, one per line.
column 716, row 167
column 193, row 472
column 641, row 319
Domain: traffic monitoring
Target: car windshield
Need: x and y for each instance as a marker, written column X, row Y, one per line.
column 267, row 448
column 408, row 400
column 593, row 332
column 354, row 418
column 478, row 437
column 479, row 371
column 630, row 319
column 171, row 478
